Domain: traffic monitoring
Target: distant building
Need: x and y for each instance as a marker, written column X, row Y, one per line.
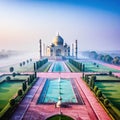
column 58, row 47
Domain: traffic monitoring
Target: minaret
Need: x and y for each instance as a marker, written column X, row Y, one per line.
column 76, row 49
column 44, row 49
column 68, row 50
column 40, row 48
column 72, row 49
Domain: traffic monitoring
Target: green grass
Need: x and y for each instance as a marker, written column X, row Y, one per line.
column 90, row 67
column 26, row 68
column 7, row 91
column 17, row 77
column 59, row 117
column 106, row 77
column 45, row 67
column 71, row 67
column 111, row 91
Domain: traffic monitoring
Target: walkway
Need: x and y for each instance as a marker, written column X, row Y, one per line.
column 23, row 106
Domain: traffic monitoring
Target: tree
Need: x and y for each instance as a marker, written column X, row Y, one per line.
column 93, row 55
column 97, row 66
column 8, row 78
column 34, row 66
column 83, row 68
column 20, row 64
column 11, row 69
column 83, row 75
column 19, row 92
column 100, row 57
column 106, row 102
column 110, row 73
column 27, row 61
column 116, row 60
column 92, row 81
column 95, row 89
column 30, row 60
column 23, row 62
column 14, row 74
column 108, row 58
column 24, row 86
column 28, row 80
column 12, row 102
column 99, row 93
column 86, row 78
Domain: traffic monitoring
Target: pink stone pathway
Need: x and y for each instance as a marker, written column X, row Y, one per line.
column 23, row 106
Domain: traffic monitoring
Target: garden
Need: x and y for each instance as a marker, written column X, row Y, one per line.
column 106, row 88
column 95, row 67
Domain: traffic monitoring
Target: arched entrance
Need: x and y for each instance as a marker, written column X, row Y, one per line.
column 59, row 117
column 58, row 52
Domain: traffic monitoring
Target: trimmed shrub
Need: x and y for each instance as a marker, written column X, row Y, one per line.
column 24, row 86
column 106, row 102
column 14, row 74
column 92, row 81
column 23, row 63
column 83, row 75
column 35, row 75
column 8, row 78
column 20, row 64
column 86, row 78
column 28, row 80
column 83, row 67
column 12, row 102
column 95, row 89
column 99, row 93
column 110, row 73
column 20, row 92
column 11, row 69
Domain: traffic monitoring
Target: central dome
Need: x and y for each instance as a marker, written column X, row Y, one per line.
column 58, row 40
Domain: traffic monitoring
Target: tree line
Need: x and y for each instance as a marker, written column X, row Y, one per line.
column 78, row 65
column 105, row 58
column 40, row 63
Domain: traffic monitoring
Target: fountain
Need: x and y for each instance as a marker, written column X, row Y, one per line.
column 59, row 103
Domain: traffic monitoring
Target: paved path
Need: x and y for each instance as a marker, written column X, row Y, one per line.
column 97, row 108
column 23, row 106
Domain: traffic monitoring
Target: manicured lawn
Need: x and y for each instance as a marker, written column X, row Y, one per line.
column 106, row 77
column 111, row 91
column 26, row 68
column 60, row 117
column 45, row 67
column 71, row 67
column 7, row 91
column 90, row 67
column 17, row 77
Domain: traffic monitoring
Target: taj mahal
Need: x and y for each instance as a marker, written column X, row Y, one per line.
column 59, row 48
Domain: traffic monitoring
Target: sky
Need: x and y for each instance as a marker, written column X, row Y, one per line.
column 94, row 23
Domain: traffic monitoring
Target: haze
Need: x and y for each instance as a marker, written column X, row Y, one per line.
column 95, row 24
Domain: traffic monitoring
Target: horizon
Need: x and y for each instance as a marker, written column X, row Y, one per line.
column 94, row 24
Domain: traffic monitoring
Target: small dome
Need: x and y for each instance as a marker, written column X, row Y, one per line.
column 58, row 40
